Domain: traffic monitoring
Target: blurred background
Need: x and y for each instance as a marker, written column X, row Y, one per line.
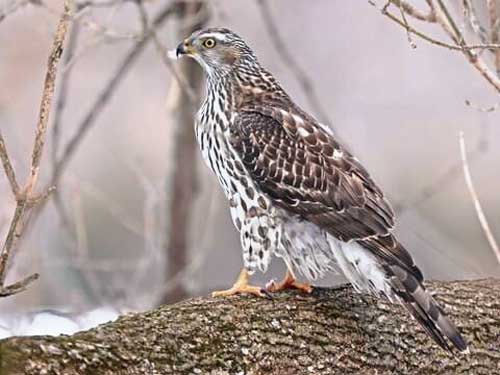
column 138, row 220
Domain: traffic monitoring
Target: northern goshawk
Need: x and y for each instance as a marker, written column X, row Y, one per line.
column 294, row 191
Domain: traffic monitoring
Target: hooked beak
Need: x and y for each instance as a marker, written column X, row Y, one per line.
column 183, row 49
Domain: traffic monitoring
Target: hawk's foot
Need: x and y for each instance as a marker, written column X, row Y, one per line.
column 247, row 289
column 241, row 286
column 289, row 282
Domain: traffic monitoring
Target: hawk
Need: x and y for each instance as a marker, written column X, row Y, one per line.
column 294, row 191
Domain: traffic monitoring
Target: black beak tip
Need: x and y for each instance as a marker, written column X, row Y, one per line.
column 181, row 50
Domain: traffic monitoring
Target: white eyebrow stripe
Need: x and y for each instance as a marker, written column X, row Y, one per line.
column 218, row 36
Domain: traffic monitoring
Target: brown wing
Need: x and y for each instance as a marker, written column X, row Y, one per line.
column 299, row 164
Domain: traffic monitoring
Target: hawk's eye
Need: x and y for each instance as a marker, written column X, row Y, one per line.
column 209, row 43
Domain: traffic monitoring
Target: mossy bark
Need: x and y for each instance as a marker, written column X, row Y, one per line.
column 331, row 331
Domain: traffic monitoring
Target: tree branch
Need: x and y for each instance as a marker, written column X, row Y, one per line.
column 494, row 16
column 331, row 331
column 477, row 205
column 109, row 89
column 440, row 14
column 25, row 196
column 7, row 166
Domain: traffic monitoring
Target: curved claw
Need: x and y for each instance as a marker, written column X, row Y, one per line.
column 239, row 289
column 289, row 282
column 241, row 286
column 266, row 293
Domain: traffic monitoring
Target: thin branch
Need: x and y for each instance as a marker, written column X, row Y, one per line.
column 477, row 205
column 181, row 80
column 434, row 41
column 24, row 197
column 288, row 58
column 471, row 18
column 448, row 23
column 482, row 109
column 62, row 96
column 414, row 12
column 108, row 91
column 494, row 16
column 7, row 166
column 58, row 114
column 407, row 26
column 444, row 18
column 18, row 286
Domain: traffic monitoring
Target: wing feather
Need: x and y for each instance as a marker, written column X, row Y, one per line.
column 300, row 165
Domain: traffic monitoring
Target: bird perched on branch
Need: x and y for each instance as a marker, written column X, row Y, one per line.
column 294, row 191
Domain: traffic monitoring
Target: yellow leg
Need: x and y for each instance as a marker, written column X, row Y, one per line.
column 289, row 282
column 241, row 286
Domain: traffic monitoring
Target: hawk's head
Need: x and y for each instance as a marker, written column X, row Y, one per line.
column 217, row 50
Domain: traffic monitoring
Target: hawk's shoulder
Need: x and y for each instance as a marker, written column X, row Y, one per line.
column 299, row 164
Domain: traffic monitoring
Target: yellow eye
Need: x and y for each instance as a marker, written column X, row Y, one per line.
column 209, row 43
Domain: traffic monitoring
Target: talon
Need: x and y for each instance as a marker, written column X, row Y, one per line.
column 241, row 286
column 289, row 282
column 248, row 289
column 266, row 293
column 271, row 284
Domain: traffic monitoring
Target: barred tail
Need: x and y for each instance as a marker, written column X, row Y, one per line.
column 372, row 266
column 424, row 308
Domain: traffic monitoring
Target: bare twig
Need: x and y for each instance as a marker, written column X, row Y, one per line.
column 162, row 51
column 18, row 286
column 24, row 197
column 479, row 210
column 449, row 25
column 58, row 113
column 7, row 166
column 494, row 15
column 108, row 91
column 471, row 18
column 62, row 96
column 442, row 16
column 483, row 109
column 414, row 12
column 434, row 41
column 407, row 25
column 302, row 77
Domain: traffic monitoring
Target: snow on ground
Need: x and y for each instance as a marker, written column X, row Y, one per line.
column 53, row 322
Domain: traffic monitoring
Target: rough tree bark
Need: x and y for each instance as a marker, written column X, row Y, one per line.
column 332, row 331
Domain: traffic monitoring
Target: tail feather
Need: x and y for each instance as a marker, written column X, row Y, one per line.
column 424, row 308
column 372, row 266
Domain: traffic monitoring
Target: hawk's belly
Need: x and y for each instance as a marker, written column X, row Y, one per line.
column 264, row 229
column 251, row 211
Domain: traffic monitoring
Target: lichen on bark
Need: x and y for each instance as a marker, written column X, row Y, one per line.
column 331, row 331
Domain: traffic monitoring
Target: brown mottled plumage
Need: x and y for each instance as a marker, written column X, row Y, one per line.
column 294, row 191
